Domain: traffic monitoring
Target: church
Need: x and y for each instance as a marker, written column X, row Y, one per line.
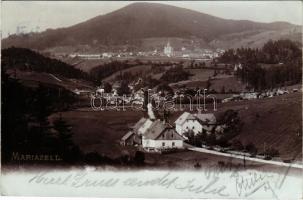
column 168, row 50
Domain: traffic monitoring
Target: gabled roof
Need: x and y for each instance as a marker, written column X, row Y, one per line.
column 170, row 134
column 161, row 130
column 183, row 118
column 139, row 123
column 191, row 117
column 207, row 118
column 154, row 130
column 144, row 127
column 127, row 135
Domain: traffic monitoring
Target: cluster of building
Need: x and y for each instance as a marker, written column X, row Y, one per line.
column 101, row 56
column 258, row 95
column 155, row 135
column 136, row 96
column 168, row 51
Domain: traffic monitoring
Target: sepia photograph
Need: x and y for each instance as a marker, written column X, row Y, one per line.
column 152, row 99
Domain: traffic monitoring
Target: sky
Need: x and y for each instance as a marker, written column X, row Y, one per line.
column 40, row 15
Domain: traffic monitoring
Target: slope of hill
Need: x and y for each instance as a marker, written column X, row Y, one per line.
column 33, row 79
column 138, row 21
column 255, row 39
column 139, row 69
column 28, row 60
column 271, row 123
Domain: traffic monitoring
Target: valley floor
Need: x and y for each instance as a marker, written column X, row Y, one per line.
column 274, row 121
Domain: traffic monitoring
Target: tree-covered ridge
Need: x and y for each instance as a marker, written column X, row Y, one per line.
column 277, row 64
column 273, row 52
column 28, row 60
column 102, row 71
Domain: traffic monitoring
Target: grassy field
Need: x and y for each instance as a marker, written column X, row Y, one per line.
column 200, row 74
column 84, row 65
column 229, row 83
column 144, row 69
column 100, row 131
column 273, row 122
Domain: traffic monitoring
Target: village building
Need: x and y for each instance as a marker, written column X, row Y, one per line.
column 116, row 85
column 128, row 139
column 86, row 56
column 161, row 136
column 106, row 55
column 133, row 136
column 238, row 67
column 153, row 136
column 197, row 123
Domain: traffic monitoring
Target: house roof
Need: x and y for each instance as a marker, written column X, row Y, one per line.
column 139, row 123
column 127, row 135
column 154, row 130
column 183, row 118
column 191, row 117
column 144, row 127
column 160, row 130
column 207, row 118
column 170, row 134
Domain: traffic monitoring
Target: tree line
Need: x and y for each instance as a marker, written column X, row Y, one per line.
column 25, row 125
column 276, row 64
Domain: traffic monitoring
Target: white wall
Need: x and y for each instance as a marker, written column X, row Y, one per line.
column 181, row 129
column 147, row 143
column 193, row 125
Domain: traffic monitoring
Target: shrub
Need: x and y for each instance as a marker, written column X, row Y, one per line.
column 251, row 148
column 237, row 145
column 139, row 158
column 272, row 152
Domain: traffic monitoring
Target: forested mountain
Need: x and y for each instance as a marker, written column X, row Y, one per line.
column 131, row 24
column 28, row 60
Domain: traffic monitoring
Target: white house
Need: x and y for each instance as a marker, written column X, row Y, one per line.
column 237, row 67
column 153, row 135
column 195, row 123
column 161, row 136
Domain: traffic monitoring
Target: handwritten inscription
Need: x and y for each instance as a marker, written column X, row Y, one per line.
column 167, row 181
column 252, row 182
column 216, row 182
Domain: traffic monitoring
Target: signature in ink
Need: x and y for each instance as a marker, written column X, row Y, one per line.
column 252, row 182
column 255, row 181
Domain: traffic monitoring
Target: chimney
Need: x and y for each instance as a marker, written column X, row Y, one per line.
column 150, row 112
